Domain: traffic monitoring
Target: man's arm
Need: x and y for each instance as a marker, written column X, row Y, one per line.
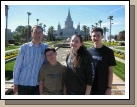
column 64, row 90
column 88, row 90
column 18, row 66
column 110, row 80
column 41, row 87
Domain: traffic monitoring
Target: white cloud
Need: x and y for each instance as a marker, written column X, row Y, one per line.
column 117, row 9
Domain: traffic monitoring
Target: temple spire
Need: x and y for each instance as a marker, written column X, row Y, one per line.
column 69, row 13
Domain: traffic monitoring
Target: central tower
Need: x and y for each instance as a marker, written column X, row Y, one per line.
column 69, row 22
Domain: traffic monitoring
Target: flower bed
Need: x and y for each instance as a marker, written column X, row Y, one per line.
column 11, row 55
column 119, row 54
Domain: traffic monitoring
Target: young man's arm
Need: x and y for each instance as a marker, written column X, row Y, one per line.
column 41, row 87
column 64, row 90
column 89, row 75
column 88, row 90
column 64, row 87
column 110, row 80
column 41, row 80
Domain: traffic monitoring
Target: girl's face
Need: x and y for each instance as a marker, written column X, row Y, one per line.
column 75, row 43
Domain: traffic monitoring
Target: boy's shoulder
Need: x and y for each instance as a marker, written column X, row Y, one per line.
column 107, row 48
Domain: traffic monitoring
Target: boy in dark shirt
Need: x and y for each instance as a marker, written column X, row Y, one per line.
column 104, row 61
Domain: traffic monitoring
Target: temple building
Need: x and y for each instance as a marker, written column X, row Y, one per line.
column 68, row 30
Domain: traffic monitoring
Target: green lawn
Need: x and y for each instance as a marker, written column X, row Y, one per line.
column 119, row 70
column 11, row 47
column 88, row 44
column 122, row 48
column 9, row 70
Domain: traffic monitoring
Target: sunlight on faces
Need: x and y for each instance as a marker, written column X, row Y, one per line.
column 96, row 37
column 51, row 56
column 75, row 43
column 37, row 34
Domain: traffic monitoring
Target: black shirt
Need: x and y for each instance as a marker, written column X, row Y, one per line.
column 103, row 58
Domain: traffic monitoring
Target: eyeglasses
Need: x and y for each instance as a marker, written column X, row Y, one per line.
column 51, row 54
column 98, row 36
column 37, row 32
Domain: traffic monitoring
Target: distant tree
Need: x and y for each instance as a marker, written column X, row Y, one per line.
column 88, row 34
column 51, row 34
column 6, row 31
column 96, row 24
column 100, row 22
column 28, row 25
column 37, row 21
column 110, row 18
column 122, row 35
column 84, row 27
column 105, row 29
column 116, row 37
column 40, row 24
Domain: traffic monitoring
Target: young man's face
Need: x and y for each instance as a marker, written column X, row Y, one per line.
column 37, row 34
column 51, row 56
column 96, row 37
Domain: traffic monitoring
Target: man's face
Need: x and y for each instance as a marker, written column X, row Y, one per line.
column 37, row 34
column 97, row 37
column 51, row 56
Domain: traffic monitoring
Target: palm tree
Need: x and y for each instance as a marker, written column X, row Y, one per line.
column 85, row 30
column 88, row 29
column 92, row 26
column 51, row 33
column 6, row 32
column 105, row 29
column 37, row 21
column 40, row 24
column 111, row 18
column 100, row 22
column 44, row 26
column 96, row 24
column 28, row 24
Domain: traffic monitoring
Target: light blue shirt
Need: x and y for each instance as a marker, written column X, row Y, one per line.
column 28, row 63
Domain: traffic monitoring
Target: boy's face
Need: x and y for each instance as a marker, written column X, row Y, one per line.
column 97, row 37
column 51, row 56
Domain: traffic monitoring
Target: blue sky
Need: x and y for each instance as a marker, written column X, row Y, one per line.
column 50, row 13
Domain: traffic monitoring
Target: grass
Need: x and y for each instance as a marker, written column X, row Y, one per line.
column 11, row 47
column 9, row 70
column 119, row 70
column 88, row 44
column 121, row 48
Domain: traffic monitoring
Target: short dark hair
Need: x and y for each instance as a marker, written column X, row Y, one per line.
column 36, row 26
column 49, row 49
column 97, row 29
